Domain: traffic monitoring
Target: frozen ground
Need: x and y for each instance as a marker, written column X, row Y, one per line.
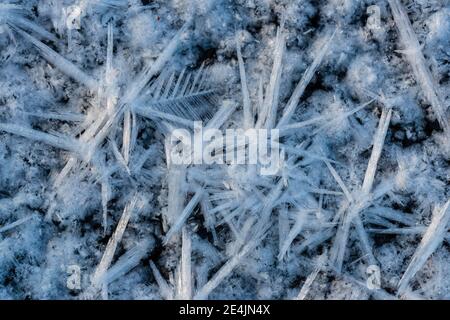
column 91, row 208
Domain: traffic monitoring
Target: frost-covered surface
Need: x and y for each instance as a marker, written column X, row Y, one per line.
column 91, row 89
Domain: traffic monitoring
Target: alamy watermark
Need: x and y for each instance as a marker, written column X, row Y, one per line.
column 233, row 146
column 73, row 281
column 373, row 277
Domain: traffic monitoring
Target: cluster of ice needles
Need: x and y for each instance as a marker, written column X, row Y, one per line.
column 348, row 213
